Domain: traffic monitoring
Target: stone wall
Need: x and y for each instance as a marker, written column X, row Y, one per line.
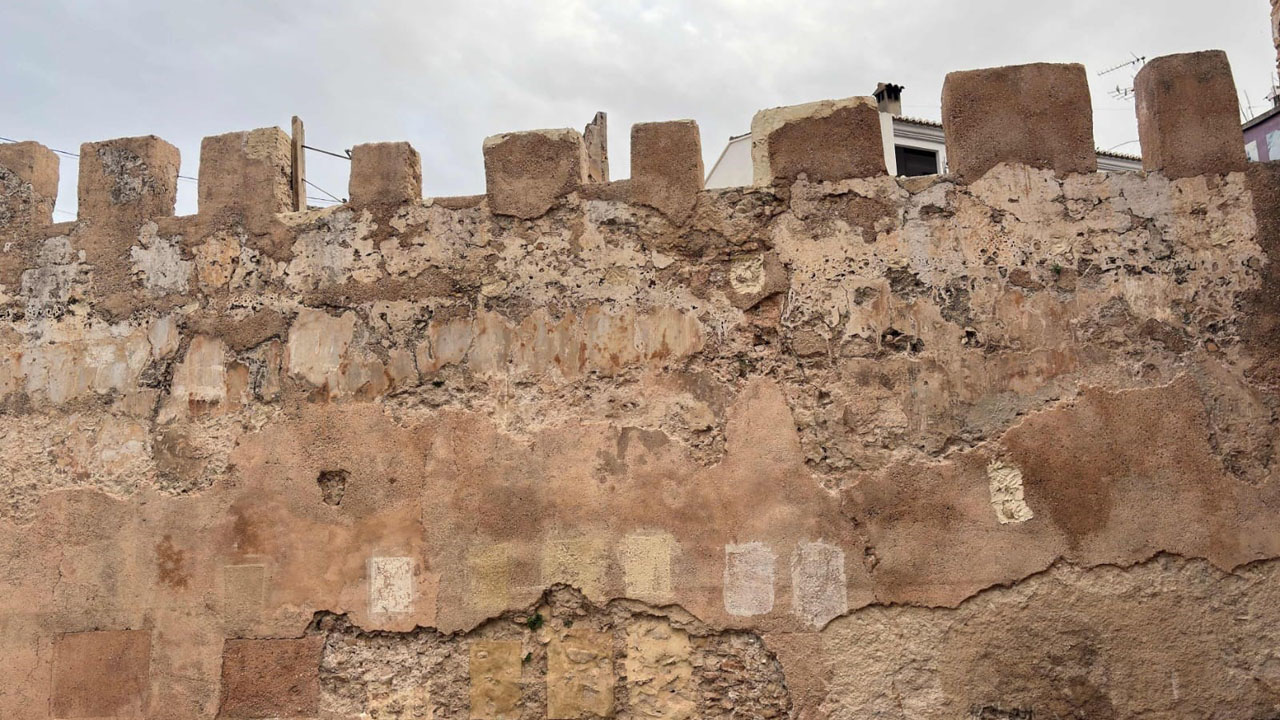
column 993, row 445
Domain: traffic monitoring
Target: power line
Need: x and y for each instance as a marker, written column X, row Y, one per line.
column 77, row 156
column 326, row 192
column 54, row 149
column 347, row 156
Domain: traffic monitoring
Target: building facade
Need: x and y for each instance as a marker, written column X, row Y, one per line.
column 913, row 146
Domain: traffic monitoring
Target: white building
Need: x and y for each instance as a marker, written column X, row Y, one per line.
column 911, row 147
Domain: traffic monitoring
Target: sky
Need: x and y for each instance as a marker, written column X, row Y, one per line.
column 444, row 75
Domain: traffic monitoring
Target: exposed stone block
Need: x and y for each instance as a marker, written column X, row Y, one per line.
column 247, row 173
column 666, row 166
column 1039, row 115
column 127, row 181
column 385, row 173
column 268, row 678
column 580, row 679
column 658, row 671
column 28, row 184
column 825, row 140
column 1188, row 115
column 101, row 674
column 495, row 679
column 527, row 172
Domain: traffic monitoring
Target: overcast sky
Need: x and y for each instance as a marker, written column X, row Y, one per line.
column 443, row 75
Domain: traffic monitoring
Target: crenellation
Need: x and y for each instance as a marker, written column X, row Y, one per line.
column 824, row 141
column 385, row 174
column 666, row 166
column 246, row 174
column 1188, row 121
column 28, row 186
column 1039, row 115
column 126, row 182
column 526, row 173
column 125, row 186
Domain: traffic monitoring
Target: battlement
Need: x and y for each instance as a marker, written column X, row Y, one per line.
column 1036, row 115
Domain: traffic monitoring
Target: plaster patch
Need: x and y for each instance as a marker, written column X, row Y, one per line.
column 101, row 674
column 1006, row 493
column 495, row 679
column 646, row 565
column 818, row 585
column 158, row 262
column 489, row 576
column 390, row 584
column 578, row 562
column 748, row 579
column 244, row 590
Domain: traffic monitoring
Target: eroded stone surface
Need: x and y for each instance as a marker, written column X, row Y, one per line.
column 795, row 453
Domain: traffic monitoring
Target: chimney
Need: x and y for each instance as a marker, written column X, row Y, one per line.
column 889, row 98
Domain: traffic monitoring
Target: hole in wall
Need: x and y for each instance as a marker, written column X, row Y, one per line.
column 333, row 485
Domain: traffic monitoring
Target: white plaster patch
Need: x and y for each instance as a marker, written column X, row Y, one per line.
column 158, row 261
column 748, row 579
column 1006, row 493
column 819, row 590
column 338, row 250
column 746, row 275
column 390, row 584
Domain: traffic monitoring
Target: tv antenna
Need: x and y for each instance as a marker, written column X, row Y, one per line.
column 1135, row 61
column 1121, row 92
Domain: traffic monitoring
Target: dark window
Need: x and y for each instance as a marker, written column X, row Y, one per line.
column 914, row 161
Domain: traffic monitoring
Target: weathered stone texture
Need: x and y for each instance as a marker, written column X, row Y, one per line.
column 527, row 172
column 827, row 140
column 666, row 166
column 246, row 173
column 1188, row 118
column 1038, row 115
column 271, row 678
column 596, row 138
column 127, row 181
column 388, row 173
column 841, row 446
column 28, row 186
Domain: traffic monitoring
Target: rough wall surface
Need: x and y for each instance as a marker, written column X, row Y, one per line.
column 861, row 448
